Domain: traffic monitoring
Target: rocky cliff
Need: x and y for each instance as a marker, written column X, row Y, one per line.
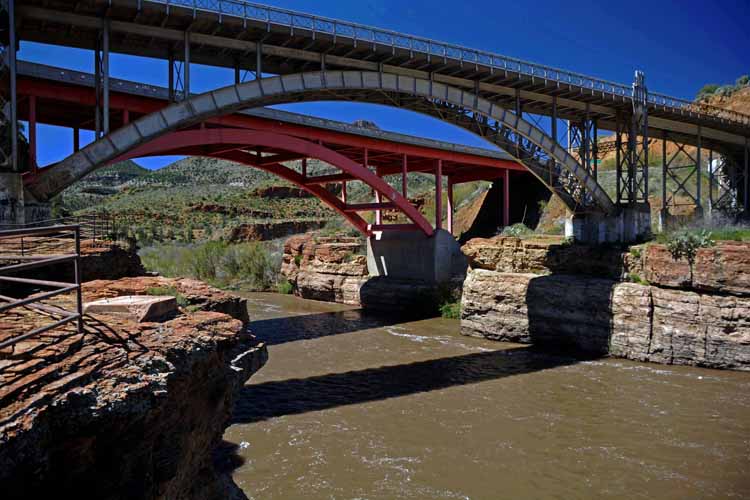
column 577, row 298
column 126, row 409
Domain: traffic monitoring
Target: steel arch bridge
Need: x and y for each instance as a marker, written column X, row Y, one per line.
column 541, row 154
column 501, row 98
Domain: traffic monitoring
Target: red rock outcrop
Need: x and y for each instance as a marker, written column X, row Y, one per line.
column 126, row 409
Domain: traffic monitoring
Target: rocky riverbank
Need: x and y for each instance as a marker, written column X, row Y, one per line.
column 127, row 409
column 639, row 305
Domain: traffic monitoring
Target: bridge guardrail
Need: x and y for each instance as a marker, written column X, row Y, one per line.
column 33, row 301
column 359, row 32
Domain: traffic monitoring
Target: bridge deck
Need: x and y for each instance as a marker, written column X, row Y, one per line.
column 227, row 32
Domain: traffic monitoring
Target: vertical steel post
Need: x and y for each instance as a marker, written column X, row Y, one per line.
column 236, row 73
column 76, row 139
column 13, row 88
column 77, row 271
column 105, row 70
column 258, row 61
column 304, row 169
column 125, row 116
column 439, row 195
column 186, row 68
column 554, row 119
column 618, row 160
column 698, row 173
column 664, row 171
column 32, row 133
column 506, row 198
column 170, row 61
column 343, row 192
column 450, row 205
column 404, row 174
column 97, row 89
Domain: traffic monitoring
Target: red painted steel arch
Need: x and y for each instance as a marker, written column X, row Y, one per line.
column 228, row 143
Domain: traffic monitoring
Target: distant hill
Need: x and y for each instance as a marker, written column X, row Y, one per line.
column 97, row 186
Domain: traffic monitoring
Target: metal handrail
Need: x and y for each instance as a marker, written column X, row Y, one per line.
column 369, row 34
column 58, row 286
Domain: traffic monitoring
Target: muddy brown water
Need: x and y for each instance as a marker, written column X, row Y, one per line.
column 352, row 406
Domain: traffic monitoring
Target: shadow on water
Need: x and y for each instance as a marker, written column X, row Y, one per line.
column 277, row 331
column 267, row 400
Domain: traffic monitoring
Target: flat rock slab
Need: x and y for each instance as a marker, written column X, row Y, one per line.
column 140, row 307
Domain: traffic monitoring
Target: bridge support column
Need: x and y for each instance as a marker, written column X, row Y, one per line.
column 632, row 224
column 16, row 205
column 412, row 256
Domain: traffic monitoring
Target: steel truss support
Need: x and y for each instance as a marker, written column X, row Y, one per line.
column 9, row 101
column 681, row 175
column 179, row 73
column 582, row 141
column 631, row 145
column 101, row 81
column 728, row 184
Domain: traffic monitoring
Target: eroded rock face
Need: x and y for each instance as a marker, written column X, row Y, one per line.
column 264, row 231
column 126, row 410
column 543, row 255
column 673, row 319
column 724, row 268
column 328, row 269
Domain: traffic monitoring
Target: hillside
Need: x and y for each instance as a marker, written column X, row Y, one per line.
column 206, row 198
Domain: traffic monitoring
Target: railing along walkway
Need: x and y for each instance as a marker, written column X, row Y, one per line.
column 33, row 299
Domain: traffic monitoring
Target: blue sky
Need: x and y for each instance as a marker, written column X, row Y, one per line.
column 680, row 45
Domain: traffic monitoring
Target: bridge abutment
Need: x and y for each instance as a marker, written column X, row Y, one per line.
column 410, row 255
column 632, row 223
column 18, row 206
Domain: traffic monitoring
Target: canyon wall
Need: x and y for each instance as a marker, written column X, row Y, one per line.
column 640, row 305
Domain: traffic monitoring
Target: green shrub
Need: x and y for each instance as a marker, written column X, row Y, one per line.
column 706, row 91
column 685, row 244
column 249, row 264
column 298, row 259
column 635, row 278
column 451, row 310
column 517, row 230
column 284, row 287
column 635, row 252
column 168, row 291
column 206, row 260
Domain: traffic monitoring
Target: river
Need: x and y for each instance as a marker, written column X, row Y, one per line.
column 358, row 406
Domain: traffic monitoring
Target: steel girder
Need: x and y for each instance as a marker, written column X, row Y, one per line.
column 8, row 101
column 541, row 154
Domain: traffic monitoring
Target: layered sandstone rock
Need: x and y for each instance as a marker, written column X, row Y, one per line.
column 706, row 322
column 125, row 410
column 322, row 268
column 543, row 255
column 264, row 231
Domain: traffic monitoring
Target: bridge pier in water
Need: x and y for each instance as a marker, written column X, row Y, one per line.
column 413, row 256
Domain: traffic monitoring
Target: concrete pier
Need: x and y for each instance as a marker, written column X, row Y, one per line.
column 410, row 255
column 631, row 224
column 18, row 206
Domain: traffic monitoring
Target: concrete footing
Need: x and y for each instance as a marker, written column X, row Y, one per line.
column 16, row 205
column 410, row 255
column 629, row 225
